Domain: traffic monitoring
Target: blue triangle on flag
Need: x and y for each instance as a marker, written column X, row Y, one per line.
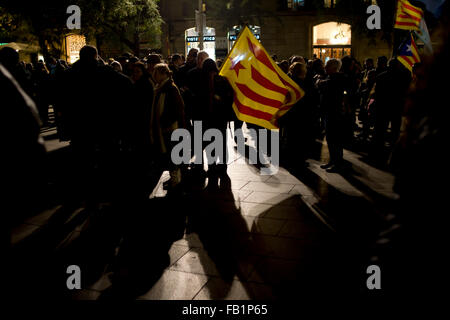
column 405, row 48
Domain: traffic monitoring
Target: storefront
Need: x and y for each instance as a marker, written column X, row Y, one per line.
column 209, row 41
column 332, row 40
column 74, row 43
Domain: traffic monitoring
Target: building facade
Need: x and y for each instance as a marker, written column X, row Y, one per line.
column 289, row 27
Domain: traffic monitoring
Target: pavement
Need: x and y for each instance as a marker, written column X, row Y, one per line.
column 256, row 237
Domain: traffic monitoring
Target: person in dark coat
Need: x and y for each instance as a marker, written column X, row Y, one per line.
column 167, row 116
column 195, row 80
column 191, row 63
column 152, row 60
column 176, row 62
column 96, row 120
column 299, row 121
column 217, row 98
column 23, row 177
column 24, row 157
column 143, row 98
column 367, row 105
column 389, row 94
column 194, row 88
column 350, row 69
column 140, row 109
column 411, row 251
column 332, row 90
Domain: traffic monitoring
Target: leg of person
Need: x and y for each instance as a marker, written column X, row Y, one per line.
column 330, row 137
column 223, row 163
column 237, row 125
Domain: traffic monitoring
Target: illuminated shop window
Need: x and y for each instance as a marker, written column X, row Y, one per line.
column 74, row 43
column 209, row 41
column 332, row 40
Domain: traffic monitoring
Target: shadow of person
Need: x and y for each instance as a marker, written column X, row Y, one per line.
column 302, row 257
column 222, row 231
column 143, row 252
column 39, row 252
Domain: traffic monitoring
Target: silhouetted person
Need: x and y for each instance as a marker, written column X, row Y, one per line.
column 389, row 93
column 332, row 99
column 349, row 68
column 368, row 66
column 116, row 66
column 167, row 116
column 294, row 59
column 10, row 60
column 367, row 105
column 300, row 120
column 191, row 63
column 382, row 63
column 139, row 108
column 152, row 60
column 23, row 161
column 216, row 99
column 176, row 62
column 96, row 120
column 192, row 92
column 315, row 72
column 411, row 252
column 284, row 65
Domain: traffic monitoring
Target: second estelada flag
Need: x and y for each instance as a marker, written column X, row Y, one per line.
column 262, row 91
column 408, row 54
column 408, row 17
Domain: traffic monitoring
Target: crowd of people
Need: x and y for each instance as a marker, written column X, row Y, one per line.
column 131, row 105
column 119, row 115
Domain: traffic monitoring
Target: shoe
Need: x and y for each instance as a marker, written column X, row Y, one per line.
column 326, row 166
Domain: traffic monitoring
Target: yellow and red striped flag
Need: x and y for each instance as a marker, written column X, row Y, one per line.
column 262, row 91
column 408, row 54
column 408, row 17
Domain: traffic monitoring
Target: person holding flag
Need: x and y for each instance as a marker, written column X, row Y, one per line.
column 262, row 91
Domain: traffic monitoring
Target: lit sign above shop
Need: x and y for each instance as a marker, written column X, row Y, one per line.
column 206, row 39
column 233, row 37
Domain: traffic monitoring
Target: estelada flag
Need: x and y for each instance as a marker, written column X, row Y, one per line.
column 408, row 54
column 408, row 17
column 262, row 91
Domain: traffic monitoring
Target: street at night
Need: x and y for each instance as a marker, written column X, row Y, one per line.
column 263, row 152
